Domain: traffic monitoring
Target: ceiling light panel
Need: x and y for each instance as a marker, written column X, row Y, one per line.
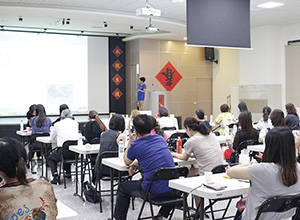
column 270, row 5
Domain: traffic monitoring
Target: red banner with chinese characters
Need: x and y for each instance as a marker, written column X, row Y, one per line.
column 161, row 101
column 168, row 76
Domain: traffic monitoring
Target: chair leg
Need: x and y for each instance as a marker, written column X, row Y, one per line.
column 59, row 173
column 142, row 208
column 100, row 196
column 151, row 209
column 132, row 202
column 64, row 175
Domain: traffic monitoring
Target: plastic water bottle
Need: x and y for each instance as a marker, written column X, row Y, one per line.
column 80, row 142
column 234, row 129
column 211, row 119
column 226, row 131
column 244, row 157
column 21, row 125
column 121, row 149
column 179, row 145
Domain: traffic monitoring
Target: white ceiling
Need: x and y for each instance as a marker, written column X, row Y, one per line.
column 89, row 15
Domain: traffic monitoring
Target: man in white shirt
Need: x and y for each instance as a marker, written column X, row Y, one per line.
column 64, row 130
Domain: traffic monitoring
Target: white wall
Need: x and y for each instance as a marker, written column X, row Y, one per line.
column 265, row 64
column 98, row 76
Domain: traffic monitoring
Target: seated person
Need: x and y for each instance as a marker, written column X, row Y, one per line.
column 199, row 113
column 225, row 118
column 277, row 175
column 64, row 130
column 40, row 124
column 21, row 197
column 152, row 153
column 292, row 118
column 164, row 121
column 92, row 127
column 110, row 140
column 264, row 124
column 247, row 131
column 61, row 108
column 202, row 145
column 31, row 113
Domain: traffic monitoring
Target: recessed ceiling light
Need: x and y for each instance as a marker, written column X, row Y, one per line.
column 270, row 5
column 185, row 38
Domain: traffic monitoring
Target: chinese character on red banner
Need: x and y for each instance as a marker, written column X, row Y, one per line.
column 117, row 93
column 117, row 51
column 117, row 79
column 117, row 65
column 168, row 76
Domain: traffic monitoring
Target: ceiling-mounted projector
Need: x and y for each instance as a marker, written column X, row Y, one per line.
column 152, row 29
column 147, row 11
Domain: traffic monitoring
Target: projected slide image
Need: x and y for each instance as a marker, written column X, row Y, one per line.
column 60, row 94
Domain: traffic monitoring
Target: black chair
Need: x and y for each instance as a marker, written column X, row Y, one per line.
column 163, row 174
column 37, row 147
column 243, row 145
column 280, row 204
column 95, row 140
column 295, row 128
column 219, row 169
column 169, row 128
column 174, row 137
column 67, row 158
column 100, row 176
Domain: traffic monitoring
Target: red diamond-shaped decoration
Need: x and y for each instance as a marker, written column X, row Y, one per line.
column 117, row 93
column 117, row 79
column 117, row 65
column 168, row 76
column 117, row 51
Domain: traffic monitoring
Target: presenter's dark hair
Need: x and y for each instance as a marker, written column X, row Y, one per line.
column 280, row 149
column 266, row 112
column 163, row 112
column 200, row 113
column 143, row 124
column 62, row 107
column 117, row 123
column 224, row 108
column 143, row 79
column 13, row 159
column 290, row 108
column 245, row 121
column 243, row 107
column 277, row 118
column 196, row 125
column 41, row 115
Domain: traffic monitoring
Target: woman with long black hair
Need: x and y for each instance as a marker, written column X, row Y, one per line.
column 40, row 124
column 277, row 175
column 292, row 118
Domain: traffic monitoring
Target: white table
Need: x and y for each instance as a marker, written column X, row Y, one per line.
column 65, row 212
column 24, row 134
column 194, row 185
column 83, row 150
column 46, row 140
column 256, row 148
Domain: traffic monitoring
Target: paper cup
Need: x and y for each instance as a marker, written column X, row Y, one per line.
column 208, row 177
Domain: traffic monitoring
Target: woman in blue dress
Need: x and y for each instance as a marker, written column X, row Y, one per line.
column 141, row 90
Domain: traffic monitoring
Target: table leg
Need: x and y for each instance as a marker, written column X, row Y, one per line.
column 200, row 209
column 112, row 192
column 76, row 174
column 82, row 175
column 42, row 155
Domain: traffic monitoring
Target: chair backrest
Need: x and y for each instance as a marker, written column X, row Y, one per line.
column 66, row 145
column 279, row 204
column 169, row 173
column 35, row 135
column 219, row 168
column 245, row 144
column 168, row 128
column 95, row 140
column 295, row 128
column 232, row 124
column 173, row 138
column 98, row 166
